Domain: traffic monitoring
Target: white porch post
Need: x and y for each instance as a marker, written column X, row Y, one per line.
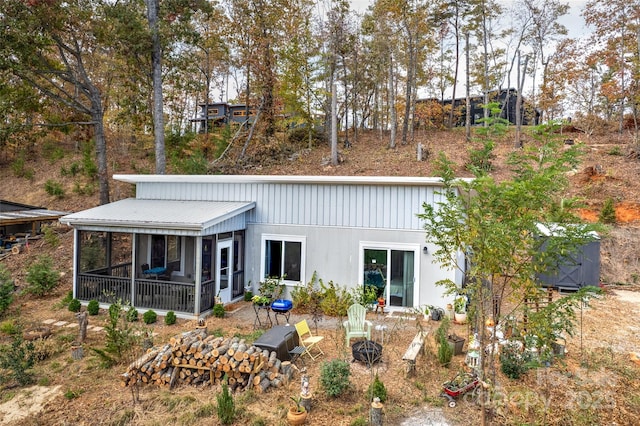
column 76, row 250
column 198, row 284
column 134, row 267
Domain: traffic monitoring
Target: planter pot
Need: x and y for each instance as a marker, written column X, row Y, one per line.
column 456, row 343
column 295, row 418
column 460, row 318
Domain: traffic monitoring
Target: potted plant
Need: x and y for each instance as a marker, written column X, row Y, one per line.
column 297, row 415
column 460, row 309
column 260, row 300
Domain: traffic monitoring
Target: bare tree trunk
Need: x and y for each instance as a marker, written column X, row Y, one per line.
column 156, row 64
column 467, row 124
column 334, row 125
column 518, row 141
column 392, row 105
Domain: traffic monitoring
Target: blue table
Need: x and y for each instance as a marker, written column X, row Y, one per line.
column 158, row 270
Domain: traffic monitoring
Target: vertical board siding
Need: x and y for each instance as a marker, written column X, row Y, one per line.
column 345, row 205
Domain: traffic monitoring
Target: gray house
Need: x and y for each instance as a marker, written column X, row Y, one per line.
column 186, row 239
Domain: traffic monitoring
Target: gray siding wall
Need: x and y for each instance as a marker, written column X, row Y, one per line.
column 342, row 205
column 333, row 252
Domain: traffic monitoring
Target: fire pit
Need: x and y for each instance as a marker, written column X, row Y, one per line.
column 367, row 351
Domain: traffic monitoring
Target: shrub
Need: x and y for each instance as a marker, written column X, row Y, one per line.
column 132, row 314
column 512, row 362
column 226, row 406
column 334, row 377
column 17, row 359
column 41, row 277
column 74, row 305
column 118, row 337
column 20, row 169
column 93, row 307
column 6, row 289
column 170, row 319
column 54, row 188
column 247, row 296
column 218, row 310
column 445, row 351
column 149, row 317
column 50, row 236
column 608, row 212
column 377, row 390
column 335, row 299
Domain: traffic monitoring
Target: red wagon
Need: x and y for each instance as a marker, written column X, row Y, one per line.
column 462, row 383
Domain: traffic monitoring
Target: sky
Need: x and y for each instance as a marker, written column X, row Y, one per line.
column 573, row 21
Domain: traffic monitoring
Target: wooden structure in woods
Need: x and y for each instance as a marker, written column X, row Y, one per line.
column 17, row 218
column 196, row 358
column 217, row 113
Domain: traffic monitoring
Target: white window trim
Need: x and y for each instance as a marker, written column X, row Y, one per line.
column 285, row 238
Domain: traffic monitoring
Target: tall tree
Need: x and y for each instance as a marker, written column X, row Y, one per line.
column 52, row 47
column 153, row 12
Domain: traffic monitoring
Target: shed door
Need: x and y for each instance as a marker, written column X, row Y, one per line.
column 570, row 272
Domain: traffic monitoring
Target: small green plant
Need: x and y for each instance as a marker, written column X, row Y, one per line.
column 334, row 377
column 9, row 327
column 226, row 406
column 119, row 337
column 170, row 318
column 218, row 310
column 6, row 289
column 89, row 166
column 93, row 307
column 359, row 421
column 54, row 188
column 132, row 314
column 608, row 212
column 377, row 390
column 41, row 277
column 297, row 404
column 50, row 236
column 19, row 168
column 335, row 299
column 512, row 361
column 445, row 351
column 73, row 393
column 149, row 317
column 247, row 296
column 615, row 151
column 17, row 359
column 75, row 305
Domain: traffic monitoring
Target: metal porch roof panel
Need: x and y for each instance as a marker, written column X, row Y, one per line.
column 158, row 214
column 26, row 216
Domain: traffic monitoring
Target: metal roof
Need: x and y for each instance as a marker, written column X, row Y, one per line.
column 158, row 214
column 28, row 216
column 345, row 180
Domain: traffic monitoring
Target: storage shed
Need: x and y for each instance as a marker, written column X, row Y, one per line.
column 576, row 270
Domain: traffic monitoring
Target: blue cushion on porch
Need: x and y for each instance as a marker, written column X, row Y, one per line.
column 281, row 305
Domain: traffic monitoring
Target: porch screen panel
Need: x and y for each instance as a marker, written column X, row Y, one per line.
column 157, row 251
column 174, row 252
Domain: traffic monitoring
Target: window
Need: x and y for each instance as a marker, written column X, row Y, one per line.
column 283, row 257
column 240, row 113
column 212, row 111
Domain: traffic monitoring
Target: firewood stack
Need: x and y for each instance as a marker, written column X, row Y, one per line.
column 195, row 358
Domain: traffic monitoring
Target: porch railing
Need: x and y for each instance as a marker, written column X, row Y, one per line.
column 123, row 270
column 104, row 289
column 238, row 284
column 206, row 297
column 165, row 295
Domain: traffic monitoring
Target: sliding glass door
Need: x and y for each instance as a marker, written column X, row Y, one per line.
column 391, row 271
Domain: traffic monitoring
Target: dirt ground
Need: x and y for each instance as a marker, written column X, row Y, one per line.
column 598, row 381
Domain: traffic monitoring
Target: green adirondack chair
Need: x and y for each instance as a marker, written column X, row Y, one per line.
column 357, row 325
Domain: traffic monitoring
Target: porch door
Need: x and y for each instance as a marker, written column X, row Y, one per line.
column 224, row 269
column 392, row 272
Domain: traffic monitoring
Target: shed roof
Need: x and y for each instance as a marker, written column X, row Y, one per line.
column 12, row 213
column 158, row 214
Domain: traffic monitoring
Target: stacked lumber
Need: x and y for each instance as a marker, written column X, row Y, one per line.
column 196, row 358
